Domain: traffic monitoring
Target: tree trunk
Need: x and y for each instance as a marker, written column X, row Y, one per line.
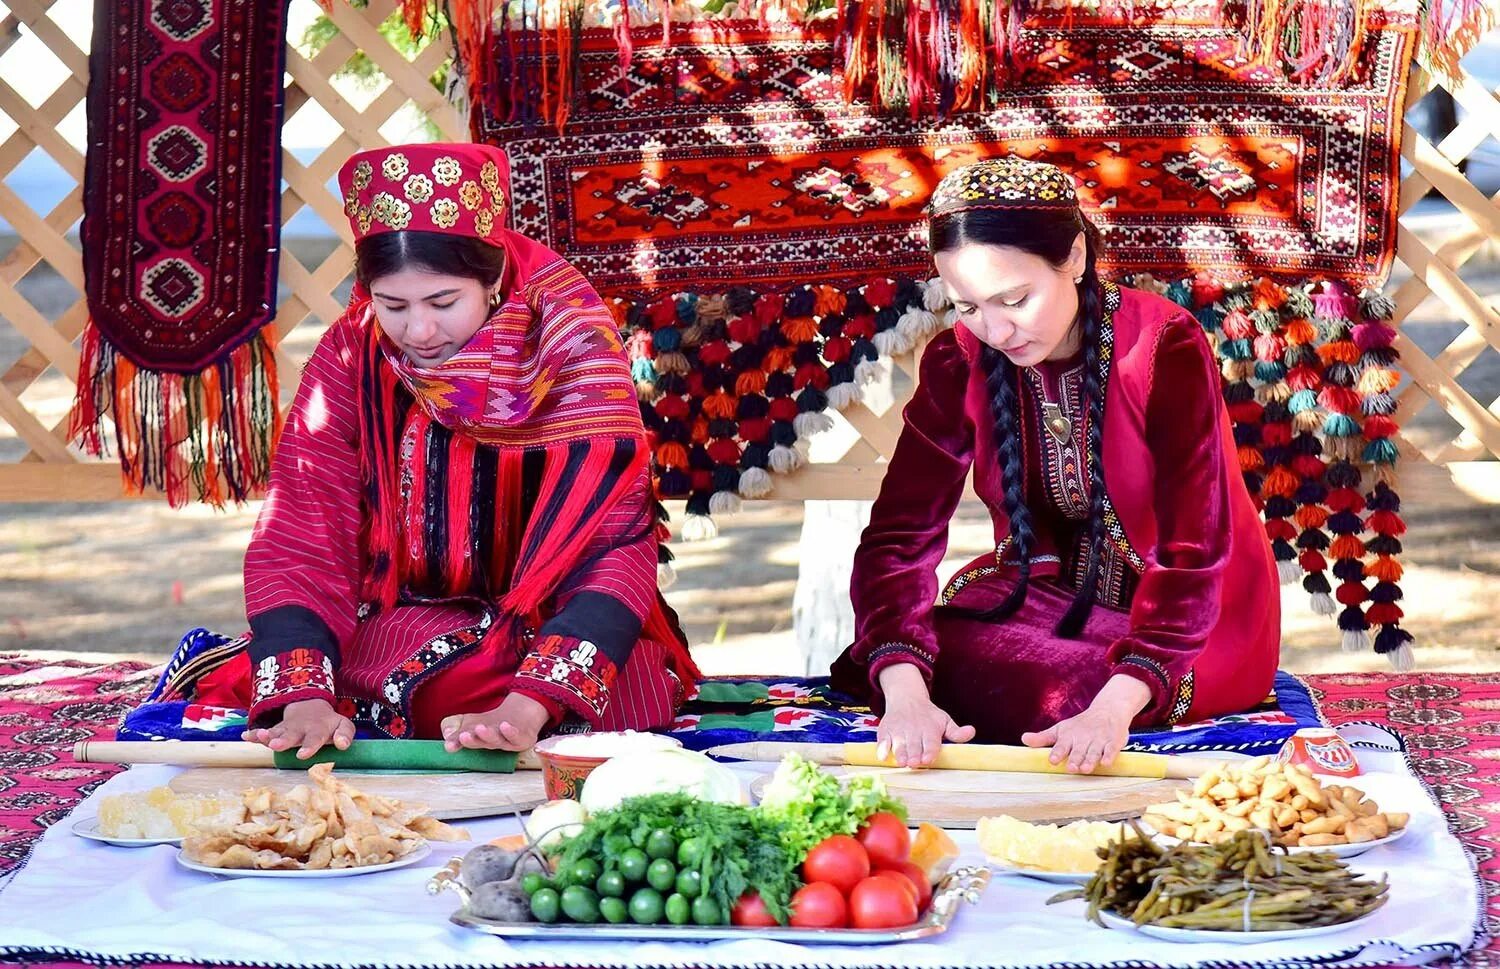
column 821, row 611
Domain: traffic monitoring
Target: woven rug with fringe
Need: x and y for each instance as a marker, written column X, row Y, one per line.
column 749, row 195
column 181, row 230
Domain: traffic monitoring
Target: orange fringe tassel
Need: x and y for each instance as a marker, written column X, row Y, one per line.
column 1384, row 569
column 1312, row 516
column 206, row 436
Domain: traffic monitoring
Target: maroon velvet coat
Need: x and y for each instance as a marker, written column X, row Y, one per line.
column 1202, row 629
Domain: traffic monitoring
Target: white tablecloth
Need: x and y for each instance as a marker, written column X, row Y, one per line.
column 80, row 899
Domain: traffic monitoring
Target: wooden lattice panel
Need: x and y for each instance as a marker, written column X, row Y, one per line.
column 1435, row 378
column 49, row 470
column 43, row 236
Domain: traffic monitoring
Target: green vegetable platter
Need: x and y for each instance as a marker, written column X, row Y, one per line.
column 961, row 885
column 818, row 860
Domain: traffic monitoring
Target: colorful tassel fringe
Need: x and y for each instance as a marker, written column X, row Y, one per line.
column 198, row 437
column 1308, row 374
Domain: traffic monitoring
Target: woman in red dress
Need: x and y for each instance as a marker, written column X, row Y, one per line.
column 460, row 539
column 1132, row 583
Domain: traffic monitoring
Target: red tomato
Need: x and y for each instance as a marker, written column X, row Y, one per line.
column 883, row 902
column 885, row 839
column 751, row 910
column 899, row 879
column 918, row 879
column 819, row 905
column 839, row 860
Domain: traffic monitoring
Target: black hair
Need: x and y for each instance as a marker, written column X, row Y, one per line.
column 438, row 252
column 1048, row 234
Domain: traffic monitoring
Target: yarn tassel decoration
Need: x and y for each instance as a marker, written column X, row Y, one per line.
column 720, row 407
column 1237, row 359
column 1377, row 377
column 733, row 385
column 1274, row 308
column 1391, row 641
column 1336, row 309
column 1304, row 377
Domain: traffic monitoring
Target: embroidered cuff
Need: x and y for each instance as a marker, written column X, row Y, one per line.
column 573, row 673
column 1157, row 680
column 286, row 677
column 891, row 653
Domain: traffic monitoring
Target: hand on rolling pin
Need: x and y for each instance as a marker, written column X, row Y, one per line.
column 1096, row 735
column 514, row 725
column 913, row 728
column 307, row 725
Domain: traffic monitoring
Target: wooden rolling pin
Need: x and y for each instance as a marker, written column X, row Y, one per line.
column 986, row 757
column 411, row 755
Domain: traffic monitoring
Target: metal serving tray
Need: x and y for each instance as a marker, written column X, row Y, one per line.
column 957, row 887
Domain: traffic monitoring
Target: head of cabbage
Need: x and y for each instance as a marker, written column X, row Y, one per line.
column 660, row 772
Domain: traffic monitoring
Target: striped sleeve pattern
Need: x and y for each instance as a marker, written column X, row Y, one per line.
column 302, row 564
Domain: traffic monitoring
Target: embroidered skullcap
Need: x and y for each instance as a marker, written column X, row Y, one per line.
column 1010, row 182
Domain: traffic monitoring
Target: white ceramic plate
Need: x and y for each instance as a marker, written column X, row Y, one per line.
column 1208, row 935
column 410, row 859
column 1053, row 877
column 89, row 828
column 1338, row 851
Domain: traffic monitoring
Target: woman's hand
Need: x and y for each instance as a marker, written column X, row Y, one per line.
column 1095, row 736
column 913, row 728
column 308, row 725
column 514, row 725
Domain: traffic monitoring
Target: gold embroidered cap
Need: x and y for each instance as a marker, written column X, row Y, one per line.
column 458, row 188
column 1010, row 182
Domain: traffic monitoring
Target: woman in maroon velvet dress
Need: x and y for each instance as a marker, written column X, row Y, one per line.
column 1132, row 583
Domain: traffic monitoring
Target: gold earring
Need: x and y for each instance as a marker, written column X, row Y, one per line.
column 495, row 300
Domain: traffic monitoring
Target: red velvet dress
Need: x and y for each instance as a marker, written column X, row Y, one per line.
column 1188, row 599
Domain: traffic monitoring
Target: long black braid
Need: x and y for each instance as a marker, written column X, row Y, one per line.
column 1005, row 409
column 1049, row 235
column 1091, row 298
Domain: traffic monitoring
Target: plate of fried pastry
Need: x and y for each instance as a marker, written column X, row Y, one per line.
column 323, row 829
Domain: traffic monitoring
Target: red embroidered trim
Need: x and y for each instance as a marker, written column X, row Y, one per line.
column 293, row 670
column 575, row 666
column 295, row 674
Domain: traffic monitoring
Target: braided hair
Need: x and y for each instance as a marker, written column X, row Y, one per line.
column 1048, row 234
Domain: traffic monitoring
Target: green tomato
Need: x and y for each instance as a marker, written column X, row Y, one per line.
column 611, row 884
column 633, row 864
column 546, row 905
column 661, row 875
column 678, row 910
column 533, row 882
column 584, row 872
column 614, row 910
column 690, row 853
column 690, row 883
column 580, row 904
column 706, row 911
column 646, row 906
column 661, row 844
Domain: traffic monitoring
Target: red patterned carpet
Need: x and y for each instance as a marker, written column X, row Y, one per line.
column 1449, row 721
